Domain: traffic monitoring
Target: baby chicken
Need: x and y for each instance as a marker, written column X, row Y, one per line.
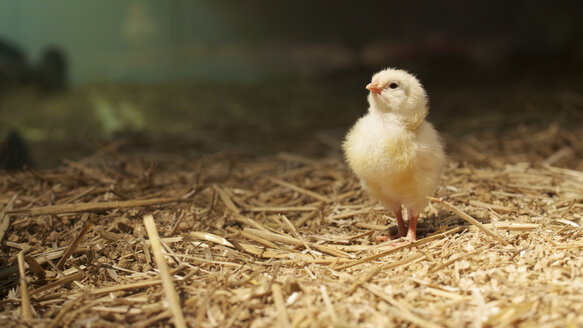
column 395, row 152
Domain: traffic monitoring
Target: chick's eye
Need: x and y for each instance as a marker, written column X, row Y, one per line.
column 394, row 85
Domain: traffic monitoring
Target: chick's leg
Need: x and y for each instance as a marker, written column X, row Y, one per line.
column 374, row 190
column 412, row 233
column 401, row 227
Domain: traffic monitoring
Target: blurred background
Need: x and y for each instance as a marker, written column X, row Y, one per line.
column 193, row 77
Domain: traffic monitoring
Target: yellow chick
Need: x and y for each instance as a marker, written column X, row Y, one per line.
column 395, row 152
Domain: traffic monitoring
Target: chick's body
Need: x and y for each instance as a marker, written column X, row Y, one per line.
column 396, row 153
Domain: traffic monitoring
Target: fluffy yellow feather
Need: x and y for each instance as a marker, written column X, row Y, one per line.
column 395, row 152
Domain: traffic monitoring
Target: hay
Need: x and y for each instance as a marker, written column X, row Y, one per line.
column 287, row 240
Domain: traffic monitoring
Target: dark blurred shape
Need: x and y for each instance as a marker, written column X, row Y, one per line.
column 14, row 71
column 14, row 154
column 496, row 38
column 51, row 74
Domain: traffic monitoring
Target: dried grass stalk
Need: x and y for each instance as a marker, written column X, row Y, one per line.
column 282, row 317
column 210, row 237
column 301, row 190
column 73, row 246
column 470, row 219
column 135, row 285
column 497, row 208
column 227, row 200
column 297, row 235
column 398, row 248
column 91, row 207
column 398, row 309
column 167, row 282
column 24, row 297
column 35, row 267
column 329, row 306
column 387, row 266
column 4, row 218
column 57, row 283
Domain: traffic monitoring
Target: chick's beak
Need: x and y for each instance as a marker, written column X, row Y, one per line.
column 374, row 88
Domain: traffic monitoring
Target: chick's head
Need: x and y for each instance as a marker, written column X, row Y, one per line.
column 396, row 91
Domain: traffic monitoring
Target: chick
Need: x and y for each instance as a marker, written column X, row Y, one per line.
column 395, row 152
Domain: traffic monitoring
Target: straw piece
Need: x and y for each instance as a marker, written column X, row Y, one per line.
column 461, row 257
column 22, row 247
column 35, row 267
column 41, row 258
column 274, row 237
column 145, row 243
column 371, row 226
column 202, row 306
column 5, row 219
column 510, row 226
column 329, row 307
column 210, row 237
column 258, row 239
column 235, row 314
column 177, row 223
column 323, row 261
column 249, row 222
column 294, row 242
column 573, row 173
column 65, row 309
column 152, row 320
column 135, row 285
column 24, row 297
column 79, row 195
column 205, row 261
column 167, row 282
column 497, row 208
column 227, row 199
column 377, row 269
column 347, row 214
column 91, row 207
column 569, row 223
column 57, row 283
column 396, row 249
column 471, row 220
column 73, row 246
column 301, row 190
column 93, row 174
column 443, row 293
column 282, row 317
column 398, row 309
column 510, row 314
column 282, row 209
column 254, row 250
column 124, row 309
column 331, row 251
column 297, row 235
column 345, row 195
column 298, row 158
column 305, row 217
column 297, row 259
